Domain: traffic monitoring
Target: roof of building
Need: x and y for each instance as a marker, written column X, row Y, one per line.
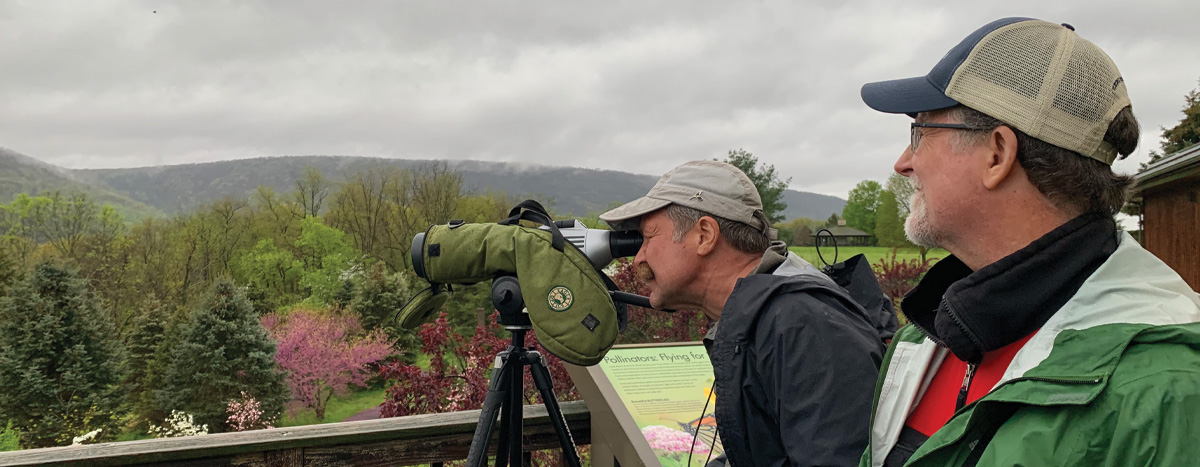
column 1175, row 166
column 842, row 231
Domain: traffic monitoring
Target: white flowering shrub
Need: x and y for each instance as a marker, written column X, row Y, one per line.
column 178, row 424
column 84, row 438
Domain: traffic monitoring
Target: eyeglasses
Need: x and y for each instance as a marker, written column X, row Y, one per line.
column 915, row 134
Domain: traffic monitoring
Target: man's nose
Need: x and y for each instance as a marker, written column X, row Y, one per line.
column 904, row 163
column 640, row 257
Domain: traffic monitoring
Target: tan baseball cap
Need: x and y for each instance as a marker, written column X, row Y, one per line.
column 713, row 187
column 1039, row 77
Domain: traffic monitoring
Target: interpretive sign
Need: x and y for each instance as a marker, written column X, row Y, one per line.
column 660, row 401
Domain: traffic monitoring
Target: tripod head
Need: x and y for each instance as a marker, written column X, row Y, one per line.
column 506, row 297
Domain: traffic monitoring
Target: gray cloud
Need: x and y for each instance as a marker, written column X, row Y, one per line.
column 629, row 86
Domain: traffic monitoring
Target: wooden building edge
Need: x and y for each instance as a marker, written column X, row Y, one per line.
column 1168, row 192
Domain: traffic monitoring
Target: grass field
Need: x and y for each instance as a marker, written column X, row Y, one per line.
column 874, row 253
column 338, row 409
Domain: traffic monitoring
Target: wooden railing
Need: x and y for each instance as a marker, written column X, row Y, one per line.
column 418, row 439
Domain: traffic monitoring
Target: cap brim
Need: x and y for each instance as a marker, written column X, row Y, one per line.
column 632, row 210
column 905, row 96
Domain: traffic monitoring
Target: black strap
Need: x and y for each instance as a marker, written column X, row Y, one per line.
column 532, row 211
column 833, row 239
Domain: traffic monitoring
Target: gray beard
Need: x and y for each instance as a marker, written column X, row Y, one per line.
column 918, row 227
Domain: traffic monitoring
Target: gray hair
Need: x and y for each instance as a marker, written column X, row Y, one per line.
column 742, row 237
column 1072, row 182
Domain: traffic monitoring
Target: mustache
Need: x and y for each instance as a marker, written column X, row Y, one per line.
column 914, row 182
column 644, row 272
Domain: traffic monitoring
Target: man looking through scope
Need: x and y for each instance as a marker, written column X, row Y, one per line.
column 795, row 358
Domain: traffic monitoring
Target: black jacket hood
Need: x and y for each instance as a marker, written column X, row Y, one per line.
column 972, row 313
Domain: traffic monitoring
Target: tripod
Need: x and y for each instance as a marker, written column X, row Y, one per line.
column 506, row 388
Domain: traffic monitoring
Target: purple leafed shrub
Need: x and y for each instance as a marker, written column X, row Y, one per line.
column 897, row 277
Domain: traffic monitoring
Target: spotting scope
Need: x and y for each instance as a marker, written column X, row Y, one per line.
column 600, row 246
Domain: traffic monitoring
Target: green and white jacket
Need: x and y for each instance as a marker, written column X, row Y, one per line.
column 1111, row 379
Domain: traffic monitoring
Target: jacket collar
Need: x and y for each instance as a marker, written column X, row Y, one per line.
column 972, row 313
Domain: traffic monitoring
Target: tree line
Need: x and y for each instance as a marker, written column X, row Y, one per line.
column 114, row 327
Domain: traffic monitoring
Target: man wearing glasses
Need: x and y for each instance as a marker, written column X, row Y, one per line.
column 1050, row 337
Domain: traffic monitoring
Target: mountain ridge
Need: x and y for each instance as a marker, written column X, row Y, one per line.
column 573, row 190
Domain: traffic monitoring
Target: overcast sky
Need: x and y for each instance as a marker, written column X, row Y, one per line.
column 631, row 86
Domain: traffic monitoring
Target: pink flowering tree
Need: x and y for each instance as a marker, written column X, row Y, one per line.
column 324, row 352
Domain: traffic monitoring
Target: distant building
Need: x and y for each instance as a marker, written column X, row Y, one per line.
column 1169, row 192
column 844, row 235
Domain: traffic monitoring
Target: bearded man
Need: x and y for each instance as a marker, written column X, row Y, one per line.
column 1049, row 337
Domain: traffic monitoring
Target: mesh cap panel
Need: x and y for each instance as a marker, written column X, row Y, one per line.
column 1046, row 81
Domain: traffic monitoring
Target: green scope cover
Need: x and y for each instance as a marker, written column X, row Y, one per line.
column 569, row 306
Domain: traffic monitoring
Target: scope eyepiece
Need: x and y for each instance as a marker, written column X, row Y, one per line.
column 624, row 243
column 418, row 255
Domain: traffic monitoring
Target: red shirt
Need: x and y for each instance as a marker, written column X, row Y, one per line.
column 937, row 406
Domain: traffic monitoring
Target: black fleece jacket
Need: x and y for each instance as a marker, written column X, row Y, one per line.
column 795, row 361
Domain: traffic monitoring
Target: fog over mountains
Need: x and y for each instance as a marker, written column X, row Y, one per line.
column 168, row 189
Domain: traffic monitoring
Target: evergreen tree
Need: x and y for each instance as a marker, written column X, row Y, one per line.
column 889, row 229
column 1183, row 134
column 223, row 351
column 59, row 363
column 379, row 297
column 8, row 271
column 145, row 409
column 144, row 343
column 770, row 186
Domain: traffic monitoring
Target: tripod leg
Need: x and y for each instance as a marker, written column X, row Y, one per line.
column 502, row 440
column 516, row 405
column 541, row 378
column 497, row 396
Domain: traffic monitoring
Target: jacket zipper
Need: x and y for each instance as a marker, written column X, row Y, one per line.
column 966, row 387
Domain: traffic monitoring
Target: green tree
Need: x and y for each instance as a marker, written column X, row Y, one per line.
column 276, row 217
column 326, row 256
column 770, row 186
column 861, row 205
column 143, row 344
column 1183, row 134
column 9, row 270
column 223, row 351
column 59, row 365
column 833, row 220
column 802, row 236
column 270, row 271
column 374, row 208
column 153, row 267
column 798, row 231
column 380, row 295
column 10, row 438
column 889, row 229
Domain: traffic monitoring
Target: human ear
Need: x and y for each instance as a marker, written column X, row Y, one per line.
column 706, row 233
column 1001, row 145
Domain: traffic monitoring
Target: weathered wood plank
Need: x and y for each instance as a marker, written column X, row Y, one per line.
column 390, row 441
